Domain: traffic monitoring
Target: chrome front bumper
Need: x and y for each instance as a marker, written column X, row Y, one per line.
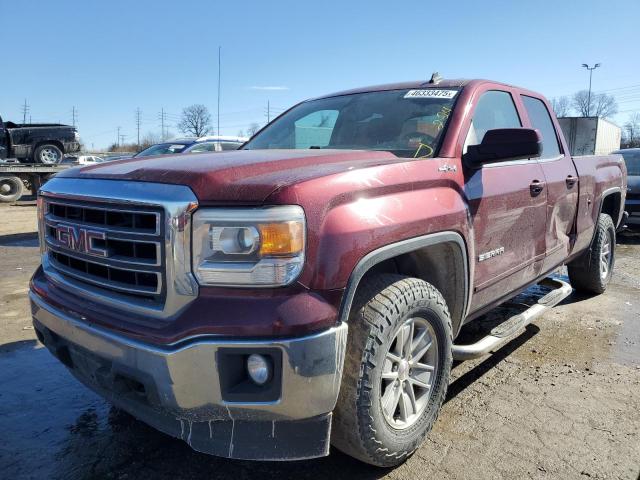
column 182, row 394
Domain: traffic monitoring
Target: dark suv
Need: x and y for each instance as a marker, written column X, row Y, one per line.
column 632, row 205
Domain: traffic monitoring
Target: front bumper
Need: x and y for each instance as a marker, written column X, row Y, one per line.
column 177, row 389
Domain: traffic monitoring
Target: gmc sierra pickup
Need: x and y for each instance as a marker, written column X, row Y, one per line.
column 37, row 142
column 308, row 289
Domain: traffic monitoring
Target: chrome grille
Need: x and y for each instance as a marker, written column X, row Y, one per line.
column 108, row 246
column 136, row 254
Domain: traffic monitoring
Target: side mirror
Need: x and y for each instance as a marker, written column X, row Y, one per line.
column 503, row 144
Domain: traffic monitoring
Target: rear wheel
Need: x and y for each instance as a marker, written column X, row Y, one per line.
column 48, row 154
column 592, row 272
column 11, row 189
column 396, row 369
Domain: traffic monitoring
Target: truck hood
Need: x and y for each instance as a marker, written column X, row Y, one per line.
column 246, row 176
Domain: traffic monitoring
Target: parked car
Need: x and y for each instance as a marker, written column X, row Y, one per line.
column 45, row 143
column 309, row 288
column 89, row 159
column 632, row 204
column 179, row 145
column 216, row 144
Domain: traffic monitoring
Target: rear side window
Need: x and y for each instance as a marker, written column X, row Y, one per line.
column 632, row 160
column 540, row 119
column 495, row 109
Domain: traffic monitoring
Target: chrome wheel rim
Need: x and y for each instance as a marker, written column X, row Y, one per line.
column 48, row 155
column 408, row 373
column 605, row 257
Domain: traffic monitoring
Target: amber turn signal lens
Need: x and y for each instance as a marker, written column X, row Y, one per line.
column 286, row 238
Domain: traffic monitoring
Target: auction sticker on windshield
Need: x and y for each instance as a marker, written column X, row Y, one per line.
column 431, row 93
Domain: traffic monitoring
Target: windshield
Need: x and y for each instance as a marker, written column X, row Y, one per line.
column 632, row 160
column 407, row 123
column 162, row 149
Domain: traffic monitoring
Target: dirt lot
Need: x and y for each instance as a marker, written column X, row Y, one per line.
column 561, row 401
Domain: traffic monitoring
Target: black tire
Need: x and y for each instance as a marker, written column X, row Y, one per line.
column 585, row 272
column 11, row 189
column 381, row 307
column 48, row 154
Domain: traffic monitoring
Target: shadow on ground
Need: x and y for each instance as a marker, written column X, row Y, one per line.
column 19, row 240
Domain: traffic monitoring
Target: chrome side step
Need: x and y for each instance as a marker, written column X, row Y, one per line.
column 511, row 328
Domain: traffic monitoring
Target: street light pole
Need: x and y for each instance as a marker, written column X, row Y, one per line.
column 219, row 50
column 591, row 69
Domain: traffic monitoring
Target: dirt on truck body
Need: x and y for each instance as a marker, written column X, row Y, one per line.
column 309, row 289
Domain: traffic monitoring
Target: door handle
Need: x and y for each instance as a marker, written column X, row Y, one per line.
column 571, row 181
column 536, row 187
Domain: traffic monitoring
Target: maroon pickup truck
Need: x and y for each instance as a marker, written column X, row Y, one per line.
column 308, row 289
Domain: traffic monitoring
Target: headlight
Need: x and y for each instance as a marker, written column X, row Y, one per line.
column 248, row 247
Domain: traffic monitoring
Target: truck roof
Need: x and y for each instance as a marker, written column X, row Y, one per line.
column 444, row 83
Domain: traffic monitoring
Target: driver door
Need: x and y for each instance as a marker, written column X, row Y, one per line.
column 507, row 201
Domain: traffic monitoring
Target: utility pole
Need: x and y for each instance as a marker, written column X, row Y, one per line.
column 268, row 112
column 118, row 138
column 138, row 121
column 122, row 137
column 219, row 53
column 163, row 115
column 25, row 110
column 591, row 69
column 73, row 115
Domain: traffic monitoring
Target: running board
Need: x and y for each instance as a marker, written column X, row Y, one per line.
column 509, row 329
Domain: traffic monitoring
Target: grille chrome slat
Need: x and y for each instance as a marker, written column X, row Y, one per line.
column 114, row 261
column 89, row 215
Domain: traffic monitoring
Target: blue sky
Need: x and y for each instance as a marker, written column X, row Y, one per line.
column 109, row 58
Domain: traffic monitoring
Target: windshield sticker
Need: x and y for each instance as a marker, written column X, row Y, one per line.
column 431, row 93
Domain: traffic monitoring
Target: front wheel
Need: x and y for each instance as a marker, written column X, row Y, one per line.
column 396, row 371
column 591, row 272
column 48, row 154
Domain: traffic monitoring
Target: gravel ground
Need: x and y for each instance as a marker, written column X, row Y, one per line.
column 561, row 401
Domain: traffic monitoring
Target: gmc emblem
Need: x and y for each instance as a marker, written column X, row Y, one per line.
column 80, row 239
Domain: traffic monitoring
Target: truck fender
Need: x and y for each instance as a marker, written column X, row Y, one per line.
column 393, row 250
column 616, row 210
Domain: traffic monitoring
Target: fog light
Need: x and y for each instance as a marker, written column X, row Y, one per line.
column 259, row 368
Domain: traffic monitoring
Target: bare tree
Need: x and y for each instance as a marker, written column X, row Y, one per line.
column 253, row 128
column 605, row 105
column 195, row 120
column 561, row 106
column 599, row 105
column 632, row 131
column 240, row 133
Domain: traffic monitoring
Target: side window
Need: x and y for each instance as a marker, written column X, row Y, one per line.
column 495, row 109
column 315, row 129
column 540, row 119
